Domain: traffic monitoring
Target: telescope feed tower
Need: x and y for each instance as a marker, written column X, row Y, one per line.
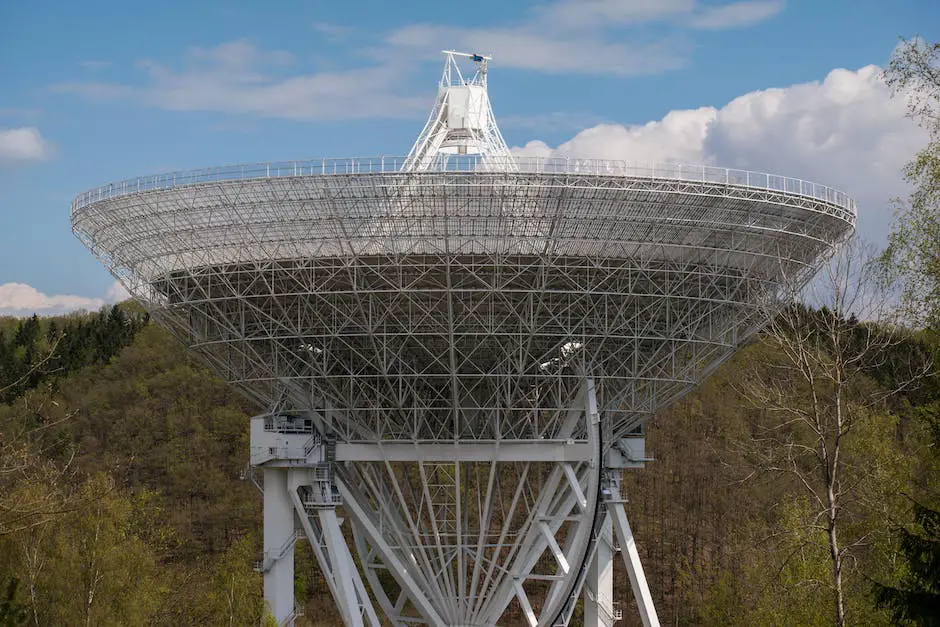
column 457, row 350
column 461, row 121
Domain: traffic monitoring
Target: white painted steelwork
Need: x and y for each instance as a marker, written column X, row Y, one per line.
column 455, row 346
column 841, row 203
column 461, row 121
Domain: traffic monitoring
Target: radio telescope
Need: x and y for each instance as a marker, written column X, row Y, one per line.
column 457, row 349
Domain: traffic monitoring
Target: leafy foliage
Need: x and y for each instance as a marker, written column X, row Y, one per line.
column 120, row 497
column 917, row 598
column 12, row 612
column 914, row 250
column 34, row 350
column 138, row 458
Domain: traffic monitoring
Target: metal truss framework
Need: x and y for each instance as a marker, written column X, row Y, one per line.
column 436, row 306
column 443, row 328
column 461, row 121
column 483, row 533
column 449, row 534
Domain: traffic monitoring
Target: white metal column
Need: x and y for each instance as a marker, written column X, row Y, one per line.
column 631, row 557
column 599, row 584
column 353, row 503
column 346, row 597
column 329, row 547
column 279, row 540
column 298, row 480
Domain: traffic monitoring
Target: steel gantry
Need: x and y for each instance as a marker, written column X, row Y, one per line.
column 452, row 533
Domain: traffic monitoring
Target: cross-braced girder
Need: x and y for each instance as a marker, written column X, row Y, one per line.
column 478, row 536
column 400, row 354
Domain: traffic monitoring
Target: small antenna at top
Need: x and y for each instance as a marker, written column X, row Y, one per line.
column 481, row 60
column 478, row 58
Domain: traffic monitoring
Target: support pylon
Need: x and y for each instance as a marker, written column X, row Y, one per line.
column 631, row 557
column 599, row 583
column 299, row 491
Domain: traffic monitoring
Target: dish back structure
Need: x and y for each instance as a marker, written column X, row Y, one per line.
column 459, row 347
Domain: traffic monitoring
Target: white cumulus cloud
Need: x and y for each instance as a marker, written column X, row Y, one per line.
column 21, row 299
column 23, row 144
column 679, row 136
column 845, row 131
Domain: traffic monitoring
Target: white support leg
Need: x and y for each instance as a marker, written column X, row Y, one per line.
column 378, row 541
column 371, row 618
column 599, row 584
column 333, row 556
column 346, row 595
column 631, row 557
column 303, row 487
column 279, row 539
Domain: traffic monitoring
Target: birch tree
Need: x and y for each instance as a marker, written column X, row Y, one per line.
column 819, row 398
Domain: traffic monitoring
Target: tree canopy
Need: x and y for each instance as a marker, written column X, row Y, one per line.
column 913, row 253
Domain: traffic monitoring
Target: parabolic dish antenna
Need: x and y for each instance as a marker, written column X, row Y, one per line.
column 458, row 349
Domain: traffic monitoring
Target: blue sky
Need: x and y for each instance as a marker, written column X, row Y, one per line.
column 92, row 92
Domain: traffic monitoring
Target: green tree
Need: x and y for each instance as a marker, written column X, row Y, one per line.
column 98, row 571
column 914, row 244
column 13, row 612
column 236, row 596
column 828, row 421
column 917, row 598
column 33, row 488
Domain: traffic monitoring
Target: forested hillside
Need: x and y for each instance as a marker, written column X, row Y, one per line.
column 122, row 500
column 799, row 485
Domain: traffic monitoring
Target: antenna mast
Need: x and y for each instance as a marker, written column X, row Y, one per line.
column 461, row 121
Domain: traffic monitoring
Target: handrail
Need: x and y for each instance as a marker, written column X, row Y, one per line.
column 469, row 163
